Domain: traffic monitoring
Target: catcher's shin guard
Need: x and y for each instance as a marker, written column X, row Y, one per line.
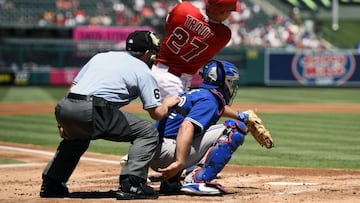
column 219, row 155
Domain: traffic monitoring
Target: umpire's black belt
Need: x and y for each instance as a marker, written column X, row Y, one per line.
column 80, row 97
column 88, row 98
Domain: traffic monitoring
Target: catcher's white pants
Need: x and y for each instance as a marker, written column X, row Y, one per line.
column 170, row 84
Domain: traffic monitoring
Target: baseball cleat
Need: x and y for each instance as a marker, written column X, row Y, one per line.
column 139, row 192
column 171, row 186
column 53, row 189
column 132, row 187
column 199, row 189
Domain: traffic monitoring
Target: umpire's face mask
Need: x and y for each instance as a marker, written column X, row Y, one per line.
column 152, row 58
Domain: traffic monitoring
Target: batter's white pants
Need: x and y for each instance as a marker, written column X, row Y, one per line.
column 170, row 84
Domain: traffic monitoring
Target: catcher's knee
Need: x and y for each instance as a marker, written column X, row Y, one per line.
column 235, row 131
column 220, row 154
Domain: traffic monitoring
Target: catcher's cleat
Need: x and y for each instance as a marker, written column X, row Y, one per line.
column 188, row 170
column 53, row 189
column 171, row 186
column 192, row 186
column 132, row 188
column 199, row 189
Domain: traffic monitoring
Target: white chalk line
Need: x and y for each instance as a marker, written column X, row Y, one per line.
column 290, row 183
column 20, row 165
column 46, row 153
column 297, row 191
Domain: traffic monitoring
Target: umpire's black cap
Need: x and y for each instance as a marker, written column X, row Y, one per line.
column 142, row 40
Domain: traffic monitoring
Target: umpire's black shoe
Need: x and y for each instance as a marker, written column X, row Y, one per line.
column 54, row 189
column 133, row 187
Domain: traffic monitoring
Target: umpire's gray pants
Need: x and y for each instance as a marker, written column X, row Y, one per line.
column 142, row 135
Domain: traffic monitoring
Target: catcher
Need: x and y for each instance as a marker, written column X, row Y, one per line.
column 191, row 138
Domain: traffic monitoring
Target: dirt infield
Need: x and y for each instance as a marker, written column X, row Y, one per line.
column 96, row 176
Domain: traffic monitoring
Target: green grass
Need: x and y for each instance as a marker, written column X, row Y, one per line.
column 31, row 94
column 346, row 37
column 244, row 94
column 41, row 130
column 317, row 140
column 9, row 161
column 306, row 140
column 297, row 95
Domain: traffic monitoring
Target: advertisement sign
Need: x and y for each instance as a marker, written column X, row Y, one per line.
column 63, row 76
column 7, row 77
column 313, row 68
column 90, row 40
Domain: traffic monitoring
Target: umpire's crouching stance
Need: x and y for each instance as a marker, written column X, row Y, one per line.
column 91, row 111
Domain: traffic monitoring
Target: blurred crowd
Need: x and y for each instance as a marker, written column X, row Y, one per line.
column 274, row 31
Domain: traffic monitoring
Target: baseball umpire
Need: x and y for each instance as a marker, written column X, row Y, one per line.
column 91, row 111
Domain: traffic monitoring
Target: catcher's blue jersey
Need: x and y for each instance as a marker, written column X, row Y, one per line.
column 202, row 107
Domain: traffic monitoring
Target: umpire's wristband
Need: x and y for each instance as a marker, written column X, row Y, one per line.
column 243, row 117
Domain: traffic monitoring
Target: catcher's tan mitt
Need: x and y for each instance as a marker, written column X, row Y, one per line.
column 258, row 130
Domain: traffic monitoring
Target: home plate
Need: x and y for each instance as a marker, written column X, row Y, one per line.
column 290, row 183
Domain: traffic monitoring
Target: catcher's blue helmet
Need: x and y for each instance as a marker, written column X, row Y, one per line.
column 221, row 75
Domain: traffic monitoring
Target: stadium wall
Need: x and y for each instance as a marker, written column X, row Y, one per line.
column 54, row 66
